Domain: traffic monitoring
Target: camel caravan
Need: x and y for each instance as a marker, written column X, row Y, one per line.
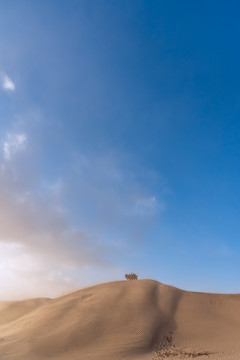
column 131, row 276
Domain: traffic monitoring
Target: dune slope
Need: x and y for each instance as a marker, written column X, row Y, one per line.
column 122, row 320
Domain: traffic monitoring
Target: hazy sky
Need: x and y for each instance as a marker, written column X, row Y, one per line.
column 120, row 144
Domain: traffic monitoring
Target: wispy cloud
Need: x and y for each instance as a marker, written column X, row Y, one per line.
column 53, row 230
column 36, row 240
column 25, row 275
column 13, row 143
column 110, row 199
column 7, row 83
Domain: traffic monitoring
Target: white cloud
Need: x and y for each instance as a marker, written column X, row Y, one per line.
column 13, row 143
column 7, row 83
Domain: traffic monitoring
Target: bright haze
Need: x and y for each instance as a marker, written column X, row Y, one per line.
column 119, row 144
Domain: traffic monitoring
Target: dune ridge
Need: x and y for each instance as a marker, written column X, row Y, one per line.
column 141, row 319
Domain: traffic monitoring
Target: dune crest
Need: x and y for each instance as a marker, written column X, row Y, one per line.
column 141, row 319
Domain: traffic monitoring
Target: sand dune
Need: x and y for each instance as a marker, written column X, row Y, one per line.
column 122, row 320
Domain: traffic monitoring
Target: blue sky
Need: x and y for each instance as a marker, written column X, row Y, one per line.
column 119, row 135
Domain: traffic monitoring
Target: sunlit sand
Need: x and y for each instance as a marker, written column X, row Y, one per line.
column 141, row 319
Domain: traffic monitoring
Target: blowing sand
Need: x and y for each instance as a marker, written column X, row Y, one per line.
column 138, row 320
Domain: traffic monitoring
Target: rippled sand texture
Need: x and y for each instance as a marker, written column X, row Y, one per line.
column 139, row 320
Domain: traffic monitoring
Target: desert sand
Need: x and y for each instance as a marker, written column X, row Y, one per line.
column 138, row 320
